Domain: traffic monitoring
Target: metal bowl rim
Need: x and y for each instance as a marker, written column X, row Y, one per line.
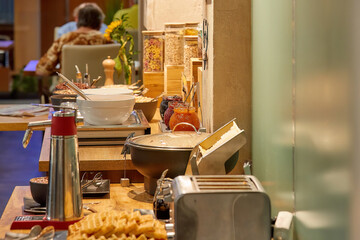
column 147, row 147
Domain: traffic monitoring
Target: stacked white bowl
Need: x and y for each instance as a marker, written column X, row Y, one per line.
column 107, row 106
column 107, row 91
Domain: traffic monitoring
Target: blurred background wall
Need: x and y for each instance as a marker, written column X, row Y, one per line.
column 158, row 12
column 304, row 100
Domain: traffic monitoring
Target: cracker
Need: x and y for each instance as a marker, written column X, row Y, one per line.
column 117, row 225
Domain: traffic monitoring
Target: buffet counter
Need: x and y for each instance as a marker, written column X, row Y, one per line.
column 120, row 198
column 107, row 159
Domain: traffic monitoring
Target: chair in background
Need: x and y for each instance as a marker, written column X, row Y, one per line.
column 93, row 55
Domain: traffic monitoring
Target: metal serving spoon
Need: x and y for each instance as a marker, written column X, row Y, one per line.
column 35, row 231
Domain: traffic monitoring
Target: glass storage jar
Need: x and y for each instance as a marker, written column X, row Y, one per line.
column 165, row 103
column 153, row 52
column 191, row 50
column 192, row 28
column 170, row 111
column 174, row 44
column 184, row 114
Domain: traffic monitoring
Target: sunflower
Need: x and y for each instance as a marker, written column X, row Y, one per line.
column 117, row 32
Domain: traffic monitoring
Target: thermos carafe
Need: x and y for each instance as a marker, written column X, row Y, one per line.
column 64, row 200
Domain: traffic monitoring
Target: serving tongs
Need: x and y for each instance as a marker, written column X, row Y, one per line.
column 96, row 181
column 71, row 85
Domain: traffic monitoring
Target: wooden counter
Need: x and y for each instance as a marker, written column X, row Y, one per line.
column 107, row 159
column 120, row 198
column 17, row 123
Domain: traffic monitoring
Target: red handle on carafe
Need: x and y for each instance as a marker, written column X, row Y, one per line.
column 63, row 126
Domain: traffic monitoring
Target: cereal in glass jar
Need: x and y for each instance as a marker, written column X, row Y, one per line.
column 153, row 58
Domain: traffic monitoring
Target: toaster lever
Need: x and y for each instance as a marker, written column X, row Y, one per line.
column 282, row 225
column 247, row 167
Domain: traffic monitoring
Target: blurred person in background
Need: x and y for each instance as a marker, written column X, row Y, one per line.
column 71, row 26
column 89, row 22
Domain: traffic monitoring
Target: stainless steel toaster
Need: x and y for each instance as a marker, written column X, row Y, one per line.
column 219, row 207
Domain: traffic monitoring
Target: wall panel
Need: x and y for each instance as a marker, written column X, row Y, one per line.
column 272, row 112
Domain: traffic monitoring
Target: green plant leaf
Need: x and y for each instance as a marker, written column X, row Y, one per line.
column 118, row 65
column 124, row 59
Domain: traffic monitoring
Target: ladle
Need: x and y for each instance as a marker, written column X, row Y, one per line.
column 71, row 85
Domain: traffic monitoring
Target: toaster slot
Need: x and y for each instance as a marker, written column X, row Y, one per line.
column 221, row 179
column 223, row 183
column 223, row 188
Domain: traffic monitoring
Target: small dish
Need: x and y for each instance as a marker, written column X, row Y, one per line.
column 103, row 189
column 39, row 188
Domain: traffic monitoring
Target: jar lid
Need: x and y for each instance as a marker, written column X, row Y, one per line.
column 175, row 25
column 191, row 37
column 153, row 32
column 191, row 24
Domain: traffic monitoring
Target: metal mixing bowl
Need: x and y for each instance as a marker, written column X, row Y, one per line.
column 152, row 154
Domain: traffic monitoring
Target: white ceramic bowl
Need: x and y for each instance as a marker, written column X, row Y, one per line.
column 108, row 93
column 102, row 111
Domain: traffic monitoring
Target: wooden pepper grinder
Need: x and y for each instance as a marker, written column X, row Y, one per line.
column 109, row 65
